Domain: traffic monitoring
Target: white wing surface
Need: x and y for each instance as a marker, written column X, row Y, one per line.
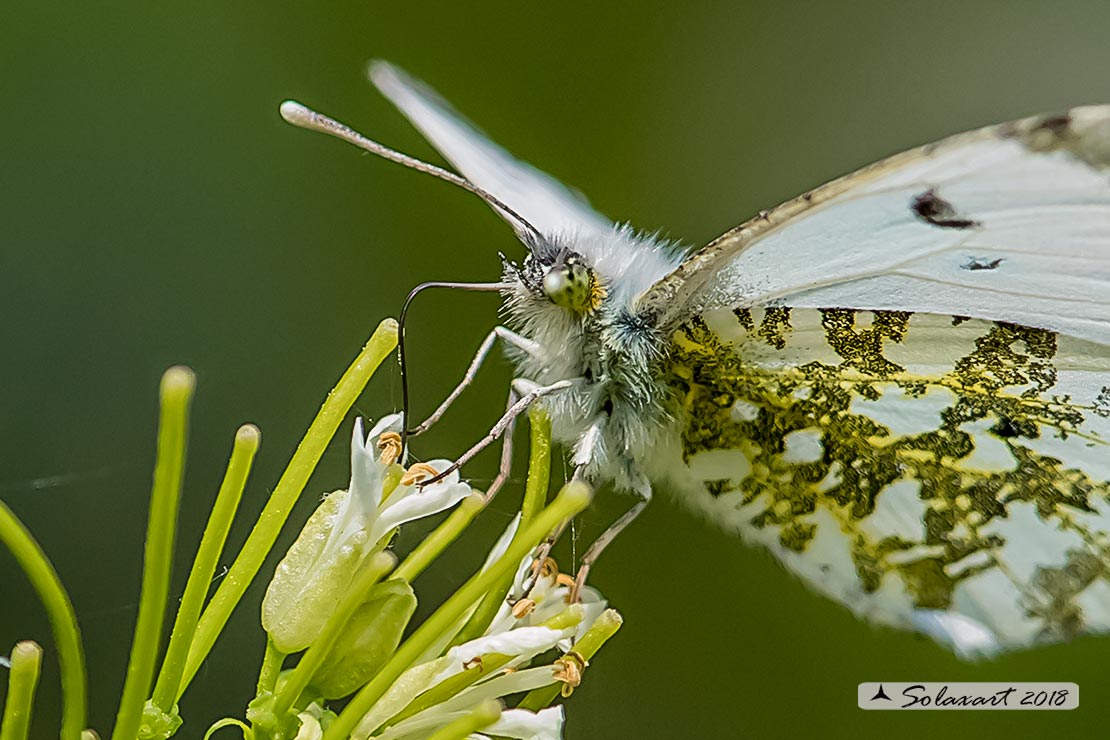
column 899, row 383
column 929, row 472
column 1008, row 223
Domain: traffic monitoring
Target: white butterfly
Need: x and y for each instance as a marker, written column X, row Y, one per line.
column 898, row 382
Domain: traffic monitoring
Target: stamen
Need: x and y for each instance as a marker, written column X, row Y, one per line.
column 390, row 445
column 418, row 472
column 523, row 608
column 569, row 669
column 549, row 568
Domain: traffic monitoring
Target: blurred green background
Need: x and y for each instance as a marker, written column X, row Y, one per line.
column 155, row 210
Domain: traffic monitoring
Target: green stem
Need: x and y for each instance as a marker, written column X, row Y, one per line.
column 443, row 535
column 177, row 388
column 535, row 496
column 539, row 464
column 604, row 627
column 298, row 679
column 23, row 676
column 63, row 621
column 286, row 493
column 270, row 670
column 247, row 440
column 480, row 717
column 574, row 497
column 448, row 687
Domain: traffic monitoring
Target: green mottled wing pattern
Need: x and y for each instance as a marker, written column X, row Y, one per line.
column 930, row 472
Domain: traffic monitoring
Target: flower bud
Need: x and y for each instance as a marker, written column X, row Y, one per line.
column 368, row 640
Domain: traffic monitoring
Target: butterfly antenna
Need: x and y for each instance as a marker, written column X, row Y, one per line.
column 299, row 115
column 486, row 287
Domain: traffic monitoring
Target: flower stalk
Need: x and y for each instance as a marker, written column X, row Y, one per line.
column 247, row 441
column 63, row 620
column 23, row 677
column 178, row 384
column 481, row 717
column 286, row 492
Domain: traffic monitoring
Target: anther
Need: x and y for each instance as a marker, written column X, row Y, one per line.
column 549, row 568
column 418, row 472
column 568, row 669
column 523, row 608
column 389, row 443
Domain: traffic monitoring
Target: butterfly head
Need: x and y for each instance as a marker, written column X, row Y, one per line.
column 558, row 277
column 573, row 284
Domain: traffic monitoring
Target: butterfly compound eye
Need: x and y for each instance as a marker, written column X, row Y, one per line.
column 573, row 286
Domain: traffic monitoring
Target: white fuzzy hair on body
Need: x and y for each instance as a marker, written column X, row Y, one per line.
column 617, row 406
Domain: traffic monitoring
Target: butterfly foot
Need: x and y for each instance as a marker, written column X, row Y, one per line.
column 575, row 594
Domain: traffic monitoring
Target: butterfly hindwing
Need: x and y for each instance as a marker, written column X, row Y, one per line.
column 931, row 472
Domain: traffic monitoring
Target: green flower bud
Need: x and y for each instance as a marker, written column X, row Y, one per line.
column 311, row 578
column 368, row 640
column 347, row 529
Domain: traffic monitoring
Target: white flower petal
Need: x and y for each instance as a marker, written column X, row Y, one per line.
column 416, row 505
column 310, row 728
column 546, row 724
column 593, row 604
column 499, row 686
column 503, row 542
column 523, row 642
column 366, row 473
column 388, row 423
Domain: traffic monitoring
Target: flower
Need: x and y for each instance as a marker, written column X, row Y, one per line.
column 347, row 529
column 499, row 663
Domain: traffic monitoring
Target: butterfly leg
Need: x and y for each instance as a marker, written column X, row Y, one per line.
column 643, row 490
column 506, row 465
column 506, row 335
column 515, row 410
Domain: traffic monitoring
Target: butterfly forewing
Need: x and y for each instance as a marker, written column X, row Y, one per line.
column 1010, row 223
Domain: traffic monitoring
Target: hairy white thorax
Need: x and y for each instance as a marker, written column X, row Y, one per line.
column 616, row 407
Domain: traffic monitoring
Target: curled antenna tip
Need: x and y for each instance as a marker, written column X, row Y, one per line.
column 295, row 113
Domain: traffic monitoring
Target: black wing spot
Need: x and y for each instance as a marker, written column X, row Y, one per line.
column 1008, row 428
column 1057, row 125
column 718, row 487
column 978, row 263
column 932, row 209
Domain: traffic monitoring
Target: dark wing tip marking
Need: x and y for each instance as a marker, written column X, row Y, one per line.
column 980, row 263
column 1057, row 125
column 932, row 209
